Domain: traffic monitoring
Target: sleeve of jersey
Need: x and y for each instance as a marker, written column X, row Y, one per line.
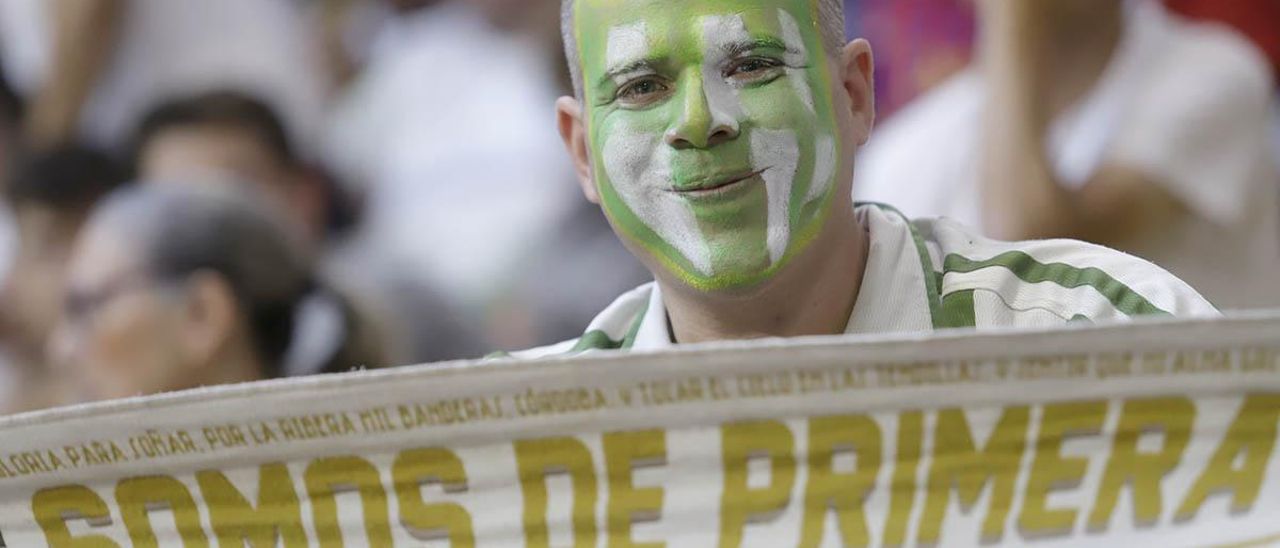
column 1160, row 288
column 1110, row 285
column 558, row 349
column 1066, row 279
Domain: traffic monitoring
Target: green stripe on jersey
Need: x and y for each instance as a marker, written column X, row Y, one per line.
column 599, row 340
column 1031, row 271
column 932, row 280
column 957, row 310
column 630, row 339
column 595, row 340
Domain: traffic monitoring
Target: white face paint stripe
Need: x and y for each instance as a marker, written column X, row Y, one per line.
column 778, row 152
column 640, row 165
column 627, row 44
column 795, row 43
column 824, row 168
column 718, row 32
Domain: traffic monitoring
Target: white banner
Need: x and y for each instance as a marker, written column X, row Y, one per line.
column 1153, row 434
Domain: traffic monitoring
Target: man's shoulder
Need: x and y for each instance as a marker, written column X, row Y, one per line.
column 1064, row 279
column 612, row 329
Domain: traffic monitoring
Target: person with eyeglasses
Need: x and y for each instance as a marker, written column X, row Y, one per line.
column 173, row 287
column 48, row 199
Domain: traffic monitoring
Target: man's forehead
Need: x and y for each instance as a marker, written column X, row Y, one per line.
column 598, row 17
column 665, row 6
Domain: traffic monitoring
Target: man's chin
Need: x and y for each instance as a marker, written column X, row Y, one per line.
column 740, row 275
column 744, row 281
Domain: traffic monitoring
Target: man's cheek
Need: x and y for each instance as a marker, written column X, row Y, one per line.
column 777, row 106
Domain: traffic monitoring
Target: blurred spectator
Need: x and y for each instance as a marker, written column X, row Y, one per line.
column 1257, row 19
column 10, row 121
column 219, row 135
column 349, row 28
column 345, row 29
column 222, row 136
column 184, row 286
column 448, row 126
column 581, row 266
column 9, row 116
column 574, row 275
column 90, row 67
column 920, row 43
column 1082, row 119
column 534, row 22
column 50, row 195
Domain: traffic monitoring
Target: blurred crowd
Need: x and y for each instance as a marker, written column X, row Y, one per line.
column 201, row 192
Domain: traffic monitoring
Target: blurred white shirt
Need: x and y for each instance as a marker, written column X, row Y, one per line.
column 8, row 385
column 451, row 128
column 1187, row 104
column 8, row 240
column 175, row 47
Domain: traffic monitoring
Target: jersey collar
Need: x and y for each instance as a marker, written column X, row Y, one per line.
column 899, row 290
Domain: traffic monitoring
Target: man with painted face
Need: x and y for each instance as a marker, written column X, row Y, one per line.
column 719, row 138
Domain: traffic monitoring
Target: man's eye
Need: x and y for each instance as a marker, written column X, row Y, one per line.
column 753, row 69
column 642, row 91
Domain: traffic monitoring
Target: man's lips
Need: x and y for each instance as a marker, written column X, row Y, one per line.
column 715, row 185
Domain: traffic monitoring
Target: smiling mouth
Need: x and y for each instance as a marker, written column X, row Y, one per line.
column 717, row 187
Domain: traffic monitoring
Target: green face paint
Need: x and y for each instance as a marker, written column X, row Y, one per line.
column 712, row 130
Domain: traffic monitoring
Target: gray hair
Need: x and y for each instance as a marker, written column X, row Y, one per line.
column 179, row 230
column 830, row 19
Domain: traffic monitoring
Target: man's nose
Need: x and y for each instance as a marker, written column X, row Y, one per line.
column 706, row 120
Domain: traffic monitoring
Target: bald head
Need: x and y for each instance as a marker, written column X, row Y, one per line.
column 830, row 14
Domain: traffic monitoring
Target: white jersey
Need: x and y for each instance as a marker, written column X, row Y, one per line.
column 1200, row 135
column 935, row 274
column 170, row 48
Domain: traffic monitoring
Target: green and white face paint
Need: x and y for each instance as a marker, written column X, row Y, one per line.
column 712, row 130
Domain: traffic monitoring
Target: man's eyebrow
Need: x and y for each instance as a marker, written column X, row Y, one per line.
column 735, row 49
column 613, row 72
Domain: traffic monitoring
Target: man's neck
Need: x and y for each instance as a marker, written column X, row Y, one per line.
column 812, row 296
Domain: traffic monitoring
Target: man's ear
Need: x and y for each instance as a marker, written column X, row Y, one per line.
column 857, row 77
column 208, row 318
column 574, row 133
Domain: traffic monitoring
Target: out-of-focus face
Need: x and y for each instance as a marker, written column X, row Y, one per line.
column 183, row 154
column 218, row 155
column 33, row 287
column 118, row 333
column 712, row 130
